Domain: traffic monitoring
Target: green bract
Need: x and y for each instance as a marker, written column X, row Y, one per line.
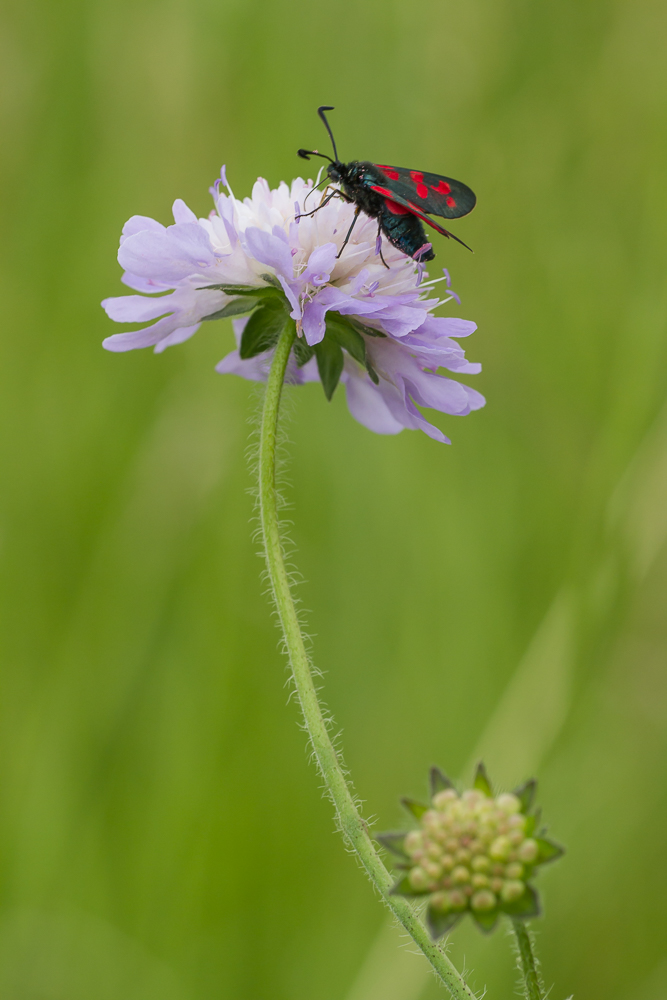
column 472, row 853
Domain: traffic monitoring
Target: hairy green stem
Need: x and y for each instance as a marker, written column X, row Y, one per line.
column 352, row 825
column 528, row 966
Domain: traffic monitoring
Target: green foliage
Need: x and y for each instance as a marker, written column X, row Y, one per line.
column 481, row 781
column 330, row 363
column 393, row 842
column 263, row 328
column 237, row 307
column 438, row 781
column 416, row 809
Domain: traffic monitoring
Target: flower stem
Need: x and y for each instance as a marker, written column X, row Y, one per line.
column 350, row 821
column 528, row 965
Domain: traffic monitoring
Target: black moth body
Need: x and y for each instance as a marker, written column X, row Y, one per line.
column 400, row 199
column 403, row 230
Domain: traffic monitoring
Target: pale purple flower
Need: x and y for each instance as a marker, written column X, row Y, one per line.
column 241, row 242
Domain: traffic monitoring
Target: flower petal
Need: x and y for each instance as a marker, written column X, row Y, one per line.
column 172, row 255
column 136, row 308
column 270, row 250
column 182, row 214
column 366, row 405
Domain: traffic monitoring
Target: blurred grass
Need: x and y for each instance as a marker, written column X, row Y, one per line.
column 161, row 830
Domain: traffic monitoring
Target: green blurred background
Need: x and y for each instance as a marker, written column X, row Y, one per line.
column 162, row 834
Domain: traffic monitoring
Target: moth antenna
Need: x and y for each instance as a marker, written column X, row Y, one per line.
column 306, row 154
column 320, row 112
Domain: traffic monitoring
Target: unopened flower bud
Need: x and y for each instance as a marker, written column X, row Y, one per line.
column 500, row 849
column 443, row 798
column 458, row 900
column 483, row 900
column 481, row 863
column 480, row 881
column 461, row 874
column 441, row 901
column 418, row 879
column 512, row 890
column 508, row 803
column 528, row 851
column 413, row 841
column 514, row 870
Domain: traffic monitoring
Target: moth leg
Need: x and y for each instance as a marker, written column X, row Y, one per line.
column 349, row 232
column 325, row 201
column 379, row 237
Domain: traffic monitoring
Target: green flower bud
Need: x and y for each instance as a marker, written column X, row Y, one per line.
column 442, row 799
column 508, row 803
column 418, row 879
column 471, row 854
column 457, row 900
column 512, row 890
column 500, row 849
column 528, row 851
column 413, row 841
column 441, row 901
column 483, row 900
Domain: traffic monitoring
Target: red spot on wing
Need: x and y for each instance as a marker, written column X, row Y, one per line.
column 442, row 187
column 390, row 172
column 418, row 178
column 451, row 203
column 395, row 208
column 392, row 205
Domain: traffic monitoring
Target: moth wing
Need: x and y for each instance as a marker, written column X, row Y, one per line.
column 394, row 197
column 435, row 194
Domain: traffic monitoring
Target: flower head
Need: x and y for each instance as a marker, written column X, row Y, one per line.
column 473, row 853
column 357, row 321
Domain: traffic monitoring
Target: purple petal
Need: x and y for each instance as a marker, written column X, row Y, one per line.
column 147, row 337
column 182, row 214
column 146, row 285
column 366, row 405
column 313, row 323
column 136, row 308
column 168, row 256
column 320, row 264
column 177, row 337
column 269, row 249
column 140, row 224
column 292, row 297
